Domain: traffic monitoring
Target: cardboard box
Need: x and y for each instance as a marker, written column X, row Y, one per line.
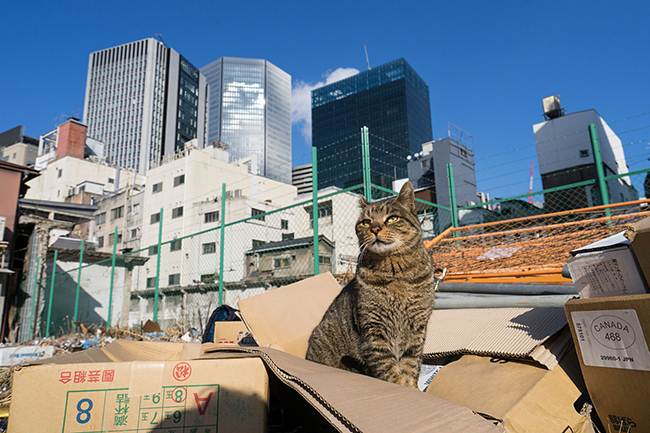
column 615, row 266
column 140, row 387
column 231, row 333
column 526, row 398
column 350, row 402
column 611, row 339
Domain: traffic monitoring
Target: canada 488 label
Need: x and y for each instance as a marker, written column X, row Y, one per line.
column 611, row 338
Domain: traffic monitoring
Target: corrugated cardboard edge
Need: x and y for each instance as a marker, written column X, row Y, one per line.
column 517, row 333
column 363, row 403
column 639, row 235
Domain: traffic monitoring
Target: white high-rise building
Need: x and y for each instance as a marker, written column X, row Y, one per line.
column 250, row 113
column 144, row 101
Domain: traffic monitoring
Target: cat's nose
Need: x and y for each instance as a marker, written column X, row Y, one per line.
column 375, row 229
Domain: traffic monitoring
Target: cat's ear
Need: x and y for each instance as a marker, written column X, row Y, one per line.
column 363, row 202
column 406, row 196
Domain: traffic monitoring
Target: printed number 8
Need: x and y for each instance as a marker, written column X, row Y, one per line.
column 84, row 414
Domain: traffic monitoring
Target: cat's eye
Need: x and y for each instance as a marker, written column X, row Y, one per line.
column 392, row 219
column 365, row 223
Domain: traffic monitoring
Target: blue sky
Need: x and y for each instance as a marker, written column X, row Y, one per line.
column 488, row 64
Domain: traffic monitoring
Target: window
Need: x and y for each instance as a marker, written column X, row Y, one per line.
column 209, row 278
column 175, row 245
column 179, row 180
column 59, row 172
column 153, row 250
column 584, row 153
column 111, row 238
column 100, row 242
column 424, row 164
column 257, row 243
column 324, row 260
column 116, row 213
column 101, row 218
column 135, row 233
column 284, row 224
column 282, row 262
column 135, row 209
column 212, row 217
column 256, row 212
column 177, row 212
column 111, row 180
column 210, row 248
column 174, row 279
column 324, row 210
column 287, row 236
column 155, row 218
column 157, row 187
column 151, row 282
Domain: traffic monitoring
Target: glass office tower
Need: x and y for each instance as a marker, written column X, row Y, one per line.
column 250, row 112
column 144, row 101
column 392, row 101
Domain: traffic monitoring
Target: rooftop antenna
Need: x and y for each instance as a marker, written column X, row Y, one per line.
column 161, row 39
column 367, row 61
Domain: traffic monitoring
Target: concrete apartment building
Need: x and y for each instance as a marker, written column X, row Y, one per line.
column 18, row 148
column 565, row 155
column 65, row 172
column 188, row 191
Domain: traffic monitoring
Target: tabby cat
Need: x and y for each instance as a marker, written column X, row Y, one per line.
column 377, row 324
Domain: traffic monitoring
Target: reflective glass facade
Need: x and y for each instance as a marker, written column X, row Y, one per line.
column 393, row 102
column 144, row 101
column 250, row 111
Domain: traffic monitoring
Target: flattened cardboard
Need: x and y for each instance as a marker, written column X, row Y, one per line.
column 502, row 332
column 115, row 395
column 284, row 318
column 353, row 402
column 614, row 332
column 526, row 397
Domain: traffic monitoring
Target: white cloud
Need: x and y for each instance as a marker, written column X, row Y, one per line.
column 301, row 98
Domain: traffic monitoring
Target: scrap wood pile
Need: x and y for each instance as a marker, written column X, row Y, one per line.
column 526, row 246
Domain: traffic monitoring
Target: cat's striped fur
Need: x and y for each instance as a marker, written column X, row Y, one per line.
column 377, row 324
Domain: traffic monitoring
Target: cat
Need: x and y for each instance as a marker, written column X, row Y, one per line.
column 377, row 324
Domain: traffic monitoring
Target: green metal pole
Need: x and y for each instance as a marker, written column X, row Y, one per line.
column 365, row 160
column 221, row 241
column 159, row 253
column 593, row 133
column 76, row 298
column 49, row 307
column 34, row 294
column 314, row 203
column 452, row 195
column 110, row 295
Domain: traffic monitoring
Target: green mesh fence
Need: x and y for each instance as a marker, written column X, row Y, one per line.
column 179, row 282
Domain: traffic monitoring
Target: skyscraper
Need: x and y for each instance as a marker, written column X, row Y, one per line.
column 392, row 101
column 144, row 101
column 250, row 111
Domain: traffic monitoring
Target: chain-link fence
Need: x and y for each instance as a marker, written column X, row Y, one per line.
column 180, row 281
